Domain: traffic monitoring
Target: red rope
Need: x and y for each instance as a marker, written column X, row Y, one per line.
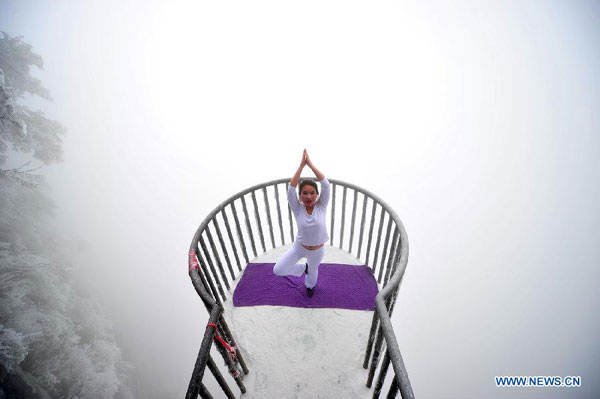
column 221, row 340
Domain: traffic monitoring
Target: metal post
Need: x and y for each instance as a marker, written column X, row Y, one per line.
column 343, row 217
column 382, row 373
column 233, row 370
column 290, row 213
column 204, row 393
column 217, row 257
column 248, row 227
column 269, row 217
column 223, row 247
column 378, row 239
column 257, row 216
column 333, row 186
column 202, row 358
column 393, row 388
column 371, row 232
column 392, row 302
column 375, row 359
column 212, row 267
column 239, row 231
column 395, row 242
column 396, row 259
column 279, row 214
column 231, row 241
column 352, row 223
column 206, row 281
column 394, row 351
column 229, row 336
column 374, row 324
column 385, row 248
column 362, row 224
column 219, row 377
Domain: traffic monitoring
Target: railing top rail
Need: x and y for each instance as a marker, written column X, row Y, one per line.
column 234, row 197
column 394, row 279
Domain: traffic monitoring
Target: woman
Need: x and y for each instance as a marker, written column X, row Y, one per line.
column 312, row 232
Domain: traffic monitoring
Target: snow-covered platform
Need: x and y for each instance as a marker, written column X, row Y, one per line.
column 300, row 352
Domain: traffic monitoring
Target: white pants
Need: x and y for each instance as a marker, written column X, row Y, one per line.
column 288, row 265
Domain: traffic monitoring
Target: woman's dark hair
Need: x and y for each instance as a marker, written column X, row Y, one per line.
column 307, row 182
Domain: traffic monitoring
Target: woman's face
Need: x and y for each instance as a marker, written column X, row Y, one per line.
column 308, row 195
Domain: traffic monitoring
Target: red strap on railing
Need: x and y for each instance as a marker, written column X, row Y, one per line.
column 221, row 340
column 193, row 261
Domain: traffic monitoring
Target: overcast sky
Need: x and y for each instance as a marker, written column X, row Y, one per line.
column 476, row 121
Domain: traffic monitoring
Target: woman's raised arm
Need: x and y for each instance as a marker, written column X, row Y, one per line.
column 320, row 176
column 296, row 177
column 325, row 190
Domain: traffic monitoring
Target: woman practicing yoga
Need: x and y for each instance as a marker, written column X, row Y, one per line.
column 312, row 232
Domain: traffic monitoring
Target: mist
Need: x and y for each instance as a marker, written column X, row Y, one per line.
column 475, row 121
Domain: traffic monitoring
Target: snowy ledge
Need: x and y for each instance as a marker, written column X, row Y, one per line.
column 301, row 352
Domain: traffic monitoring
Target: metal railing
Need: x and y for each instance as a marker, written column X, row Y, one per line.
column 378, row 239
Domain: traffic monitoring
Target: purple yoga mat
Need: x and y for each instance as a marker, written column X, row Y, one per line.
column 338, row 286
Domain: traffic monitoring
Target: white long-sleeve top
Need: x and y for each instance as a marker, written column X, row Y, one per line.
column 312, row 229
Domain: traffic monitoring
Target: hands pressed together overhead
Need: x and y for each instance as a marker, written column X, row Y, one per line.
column 305, row 161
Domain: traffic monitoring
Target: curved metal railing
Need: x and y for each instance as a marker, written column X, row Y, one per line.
column 215, row 263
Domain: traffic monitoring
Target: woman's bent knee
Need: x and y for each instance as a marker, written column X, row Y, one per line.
column 277, row 270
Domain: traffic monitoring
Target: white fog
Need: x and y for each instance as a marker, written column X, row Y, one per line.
column 475, row 121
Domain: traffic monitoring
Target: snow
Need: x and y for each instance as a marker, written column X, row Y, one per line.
column 299, row 352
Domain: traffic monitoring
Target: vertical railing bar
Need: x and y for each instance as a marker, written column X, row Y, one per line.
column 378, row 239
column 248, row 226
column 382, row 374
column 396, row 260
column 385, row 248
column 395, row 241
column 219, row 377
column 343, row 217
column 371, row 232
column 217, row 257
column 200, row 365
column 239, row 380
column 353, row 219
column 375, row 359
column 393, row 388
column 264, row 189
column 332, row 212
column 231, row 240
column 223, row 247
column 203, row 392
column 287, row 187
column 229, row 337
column 279, row 214
column 401, row 380
column 201, row 287
column 257, row 217
column 393, row 301
column 238, row 229
column 389, row 303
column 211, row 266
column 362, row 224
column 223, row 330
column 374, row 324
column 204, row 274
column 231, row 366
column 204, row 285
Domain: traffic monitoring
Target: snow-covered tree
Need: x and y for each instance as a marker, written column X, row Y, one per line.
column 54, row 341
column 25, row 129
